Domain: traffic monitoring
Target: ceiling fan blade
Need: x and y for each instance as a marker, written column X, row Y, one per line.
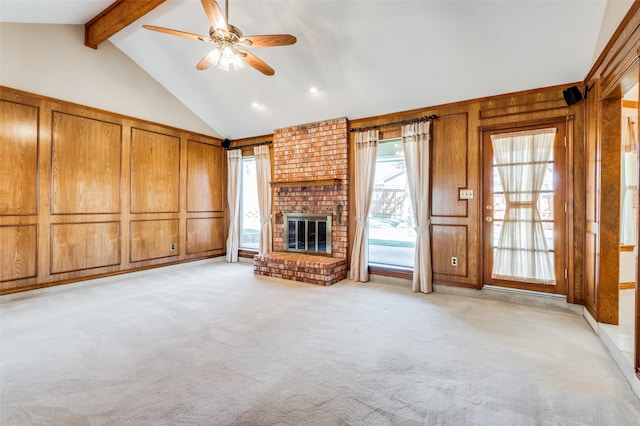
column 271, row 40
column 177, row 33
column 204, row 63
column 216, row 18
column 256, row 62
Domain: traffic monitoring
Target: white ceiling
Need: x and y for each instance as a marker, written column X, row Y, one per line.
column 51, row 11
column 366, row 57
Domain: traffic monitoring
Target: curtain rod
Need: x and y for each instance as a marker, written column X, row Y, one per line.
column 414, row 120
column 249, row 145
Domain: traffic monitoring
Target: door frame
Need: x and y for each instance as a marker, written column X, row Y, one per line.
column 567, row 186
column 637, row 311
column 637, row 321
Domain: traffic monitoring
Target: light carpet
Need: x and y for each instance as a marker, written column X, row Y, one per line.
column 207, row 343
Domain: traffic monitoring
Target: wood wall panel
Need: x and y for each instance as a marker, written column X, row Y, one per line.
column 155, row 172
column 591, row 266
column 65, row 198
column 592, row 168
column 18, row 252
column 154, row 239
column 205, row 234
column 18, row 159
column 205, row 171
column 86, row 157
column 80, row 246
column 591, row 188
column 449, row 165
column 514, row 110
column 609, row 215
column 449, row 241
column 576, row 202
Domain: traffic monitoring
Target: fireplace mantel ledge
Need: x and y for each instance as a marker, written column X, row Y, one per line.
column 314, row 182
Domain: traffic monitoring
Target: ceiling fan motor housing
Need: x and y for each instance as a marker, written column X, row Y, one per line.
column 231, row 35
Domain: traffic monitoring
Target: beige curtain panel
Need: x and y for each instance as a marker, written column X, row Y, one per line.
column 416, row 139
column 234, row 163
column 366, row 145
column 263, row 173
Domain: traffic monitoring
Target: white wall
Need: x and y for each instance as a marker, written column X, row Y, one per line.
column 52, row 60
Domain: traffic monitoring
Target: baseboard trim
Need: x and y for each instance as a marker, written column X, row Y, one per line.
column 107, row 279
column 523, row 297
column 592, row 321
column 624, row 364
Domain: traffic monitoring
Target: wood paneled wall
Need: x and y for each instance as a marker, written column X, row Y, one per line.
column 614, row 73
column 456, row 152
column 85, row 193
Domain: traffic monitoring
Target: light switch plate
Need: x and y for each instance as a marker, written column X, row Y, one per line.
column 466, row 194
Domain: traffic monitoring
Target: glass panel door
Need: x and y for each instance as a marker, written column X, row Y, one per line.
column 524, row 208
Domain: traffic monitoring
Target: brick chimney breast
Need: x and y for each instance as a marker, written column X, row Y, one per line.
column 313, row 152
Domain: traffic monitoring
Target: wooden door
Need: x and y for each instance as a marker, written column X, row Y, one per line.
column 499, row 206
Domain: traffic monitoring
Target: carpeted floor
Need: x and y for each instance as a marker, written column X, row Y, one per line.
column 207, row 343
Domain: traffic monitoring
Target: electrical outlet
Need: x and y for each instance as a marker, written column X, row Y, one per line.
column 173, row 246
column 466, row 194
column 454, row 261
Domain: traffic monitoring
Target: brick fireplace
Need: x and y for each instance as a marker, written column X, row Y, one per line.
column 310, row 176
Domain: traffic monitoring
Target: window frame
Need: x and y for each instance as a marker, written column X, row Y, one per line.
column 385, row 269
column 241, row 249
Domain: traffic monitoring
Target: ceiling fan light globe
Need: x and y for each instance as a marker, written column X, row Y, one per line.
column 214, row 56
column 226, row 58
column 238, row 63
column 228, row 53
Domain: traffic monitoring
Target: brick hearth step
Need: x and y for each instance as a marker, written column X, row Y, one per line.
column 312, row 269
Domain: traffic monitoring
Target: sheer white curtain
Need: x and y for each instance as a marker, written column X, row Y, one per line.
column 522, row 253
column 630, row 173
column 416, row 140
column 263, row 172
column 234, row 170
column 366, row 144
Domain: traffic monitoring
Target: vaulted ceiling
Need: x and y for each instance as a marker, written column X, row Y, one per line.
column 365, row 57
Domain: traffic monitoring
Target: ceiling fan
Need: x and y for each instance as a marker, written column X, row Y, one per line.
column 230, row 44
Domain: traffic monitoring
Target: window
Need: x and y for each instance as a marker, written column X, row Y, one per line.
column 249, row 213
column 392, row 239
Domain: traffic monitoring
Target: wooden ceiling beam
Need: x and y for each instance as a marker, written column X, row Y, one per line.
column 114, row 18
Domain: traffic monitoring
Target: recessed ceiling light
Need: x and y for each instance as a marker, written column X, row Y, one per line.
column 255, row 105
column 313, row 89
